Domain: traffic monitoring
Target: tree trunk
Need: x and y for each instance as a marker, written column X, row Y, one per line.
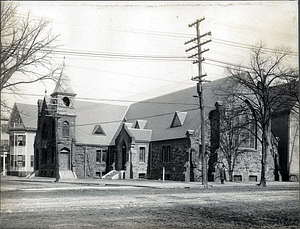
column 230, row 168
column 266, row 131
column 230, row 172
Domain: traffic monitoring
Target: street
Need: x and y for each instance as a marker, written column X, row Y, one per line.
column 61, row 205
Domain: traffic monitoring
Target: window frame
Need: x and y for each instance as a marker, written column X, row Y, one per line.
column 246, row 138
column 31, row 160
column 166, row 154
column 101, row 156
column 142, row 154
column 65, row 129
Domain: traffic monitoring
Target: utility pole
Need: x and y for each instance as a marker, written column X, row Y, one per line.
column 200, row 81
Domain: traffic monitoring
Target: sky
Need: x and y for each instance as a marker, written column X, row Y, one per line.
column 132, row 51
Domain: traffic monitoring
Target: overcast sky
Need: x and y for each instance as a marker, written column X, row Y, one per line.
column 140, row 45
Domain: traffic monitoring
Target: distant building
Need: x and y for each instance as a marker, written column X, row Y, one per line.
column 22, row 127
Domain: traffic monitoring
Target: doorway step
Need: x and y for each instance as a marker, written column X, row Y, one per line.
column 114, row 175
column 67, row 174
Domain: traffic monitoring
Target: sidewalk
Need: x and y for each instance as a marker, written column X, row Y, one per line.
column 167, row 184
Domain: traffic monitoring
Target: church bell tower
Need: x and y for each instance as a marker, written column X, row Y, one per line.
column 62, row 100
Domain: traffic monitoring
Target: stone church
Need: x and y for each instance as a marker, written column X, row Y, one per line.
column 77, row 138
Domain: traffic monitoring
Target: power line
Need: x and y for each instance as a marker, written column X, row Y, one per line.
column 112, row 100
column 137, row 118
column 139, row 76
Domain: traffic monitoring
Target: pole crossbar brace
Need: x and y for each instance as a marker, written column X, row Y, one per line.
column 197, row 46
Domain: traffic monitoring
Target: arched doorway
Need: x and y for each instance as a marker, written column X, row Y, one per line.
column 124, row 156
column 64, row 159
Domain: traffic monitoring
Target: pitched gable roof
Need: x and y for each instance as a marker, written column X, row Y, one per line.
column 28, row 114
column 137, row 135
column 91, row 114
column 159, row 111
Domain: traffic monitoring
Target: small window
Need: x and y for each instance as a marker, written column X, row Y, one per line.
column 21, row 160
column 98, row 130
column 237, row 177
column 12, row 160
column 98, row 156
column 20, row 140
column 252, row 178
column 31, row 161
column 142, row 154
column 101, row 156
column 65, row 129
column 166, row 154
column 142, row 175
column 66, row 101
column 178, row 119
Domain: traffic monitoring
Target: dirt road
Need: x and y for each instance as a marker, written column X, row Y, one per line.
column 28, row 205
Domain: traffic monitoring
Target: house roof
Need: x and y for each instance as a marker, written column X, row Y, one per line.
column 159, row 112
column 91, row 114
column 28, row 114
column 140, row 135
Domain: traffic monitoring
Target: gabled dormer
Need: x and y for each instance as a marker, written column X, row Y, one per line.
column 98, row 130
column 178, row 119
column 140, row 124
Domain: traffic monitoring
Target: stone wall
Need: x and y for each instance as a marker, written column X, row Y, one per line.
column 139, row 169
column 176, row 168
column 84, row 161
column 248, row 166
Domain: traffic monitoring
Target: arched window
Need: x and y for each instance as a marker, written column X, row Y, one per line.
column 65, row 129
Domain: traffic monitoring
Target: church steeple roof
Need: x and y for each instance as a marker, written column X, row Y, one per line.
column 63, row 85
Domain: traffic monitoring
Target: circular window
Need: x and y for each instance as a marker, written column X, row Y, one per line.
column 66, row 101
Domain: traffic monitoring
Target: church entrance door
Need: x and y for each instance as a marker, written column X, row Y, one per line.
column 64, row 159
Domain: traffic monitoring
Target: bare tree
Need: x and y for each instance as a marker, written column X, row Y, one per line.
column 269, row 85
column 236, row 132
column 26, row 48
